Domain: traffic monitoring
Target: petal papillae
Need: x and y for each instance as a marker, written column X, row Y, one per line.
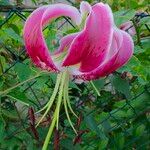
column 97, row 50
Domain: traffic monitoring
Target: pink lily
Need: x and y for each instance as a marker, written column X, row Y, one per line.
column 100, row 40
column 95, row 51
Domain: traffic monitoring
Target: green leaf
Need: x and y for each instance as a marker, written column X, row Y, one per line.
column 133, row 3
column 119, row 104
column 121, row 85
column 135, row 67
column 145, row 20
column 103, row 144
column 15, row 28
column 12, row 34
column 119, row 140
column 141, row 102
column 138, row 50
column 102, row 116
column 67, row 144
column 23, row 71
column 1, row 82
column 17, row 95
column 4, row 2
column 12, row 114
column 99, row 83
column 34, row 1
column 2, row 129
column 91, row 123
column 123, row 16
column 40, row 82
column 145, row 43
column 51, row 38
column 2, row 64
column 73, row 85
column 140, row 130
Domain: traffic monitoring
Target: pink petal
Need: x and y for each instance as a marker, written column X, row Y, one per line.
column 33, row 36
column 124, row 53
column 119, row 54
column 65, row 42
column 85, row 8
column 94, row 41
column 128, row 27
column 58, row 10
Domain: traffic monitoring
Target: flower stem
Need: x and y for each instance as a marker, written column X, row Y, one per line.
column 55, row 119
column 60, row 97
column 61, row 85
column 49, row 104
column 68, row 100
column 68, row 117
column 49, row 134
column 65, row 105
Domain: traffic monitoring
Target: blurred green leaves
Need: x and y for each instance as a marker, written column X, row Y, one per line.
column 13, row 35
column 23, row 71
column 121, row 85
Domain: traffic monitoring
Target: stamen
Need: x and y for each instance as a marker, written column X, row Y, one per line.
column 66, row 109
column 49, row 104
column 61, row 86
column 50, row 131
column 68, row 100
column 60, row 97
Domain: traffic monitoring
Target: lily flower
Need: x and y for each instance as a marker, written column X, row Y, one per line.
column 97, row 50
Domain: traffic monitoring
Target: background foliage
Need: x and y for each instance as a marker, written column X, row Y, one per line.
column 117, row 120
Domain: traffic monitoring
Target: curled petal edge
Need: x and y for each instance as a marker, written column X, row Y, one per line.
column 33, row 36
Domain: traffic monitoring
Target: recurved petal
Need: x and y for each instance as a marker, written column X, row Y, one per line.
column 58, row 10
column 128, row 27
column 120, row 52
column 124, row 53
column 33, row 36
column 65, row 42
column 94, row 41
column 32, row 25
column 85, row 8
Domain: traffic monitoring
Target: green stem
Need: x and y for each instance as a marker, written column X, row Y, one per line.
column 69, row 106
column 49, row 134
column 19, row 84
column 60, row 97
column 68, row 100
column 16, row 99
column 137, row 32
column 56, row 113
column 94, row 87
column 67, row 114
column 62, row 85
column 52, row 98
column 65, row 106
column 43, row 107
